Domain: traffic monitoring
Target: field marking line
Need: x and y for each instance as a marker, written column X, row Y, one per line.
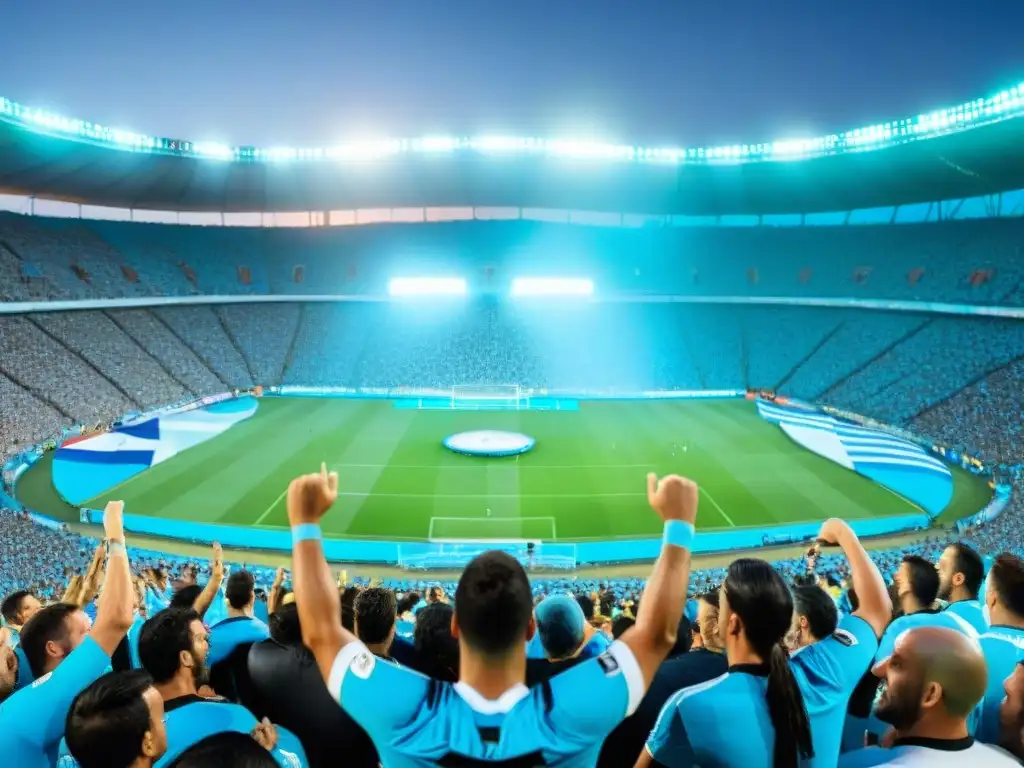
column 361, row 494
column 267, row 511
column 719, row 508
column 110, row 490
column 488, row 466
column 902, row 498
column 474, row 520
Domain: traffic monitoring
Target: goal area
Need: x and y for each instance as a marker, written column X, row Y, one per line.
column 488, row 397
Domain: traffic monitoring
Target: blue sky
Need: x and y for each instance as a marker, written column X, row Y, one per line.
column 691, row 72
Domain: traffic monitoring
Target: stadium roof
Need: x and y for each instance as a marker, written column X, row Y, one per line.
column 965, row 151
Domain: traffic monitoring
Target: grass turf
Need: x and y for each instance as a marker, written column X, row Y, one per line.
column 583, row 480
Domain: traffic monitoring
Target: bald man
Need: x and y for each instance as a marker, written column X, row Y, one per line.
column 934, row 678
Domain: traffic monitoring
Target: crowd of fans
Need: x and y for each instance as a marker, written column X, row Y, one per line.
column 916, row 653
column 974, row 261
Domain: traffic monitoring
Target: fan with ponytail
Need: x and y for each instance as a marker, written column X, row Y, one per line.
column 764, row 605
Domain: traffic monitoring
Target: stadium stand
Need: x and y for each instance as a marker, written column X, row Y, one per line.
column 800, row 658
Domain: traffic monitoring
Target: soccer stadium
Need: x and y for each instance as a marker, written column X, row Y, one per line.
column 491, row 341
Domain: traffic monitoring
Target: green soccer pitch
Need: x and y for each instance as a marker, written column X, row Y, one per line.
column 585, row 479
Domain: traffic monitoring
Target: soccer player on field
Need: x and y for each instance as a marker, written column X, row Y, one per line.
column 490, row 716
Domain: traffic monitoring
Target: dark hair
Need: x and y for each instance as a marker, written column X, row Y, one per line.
column 1007, row 579
column 48, row 625
column 437, row 652
column 818, row 607
column 163, row 638
column 229, row 749
column 493, row 603
column 407, row 602
column 284, row 625
column 923, row 581
column 684, row 637
column 375, row 614
column 11, row 606
column 623, row 623
column 348, row 610
column 587, row 605
column 186, row 596
column 764, row 605
column 851, row 595
column 711, row 598
column 240, row 588
column 969, row 563
column 108, row 720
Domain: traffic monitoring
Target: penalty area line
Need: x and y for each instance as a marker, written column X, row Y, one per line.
column 720, row 510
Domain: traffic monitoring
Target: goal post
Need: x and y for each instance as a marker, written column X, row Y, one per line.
column 484, row 396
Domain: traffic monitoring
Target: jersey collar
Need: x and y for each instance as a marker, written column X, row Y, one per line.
column 498, row 706
column 758, row 670
column 945, row 745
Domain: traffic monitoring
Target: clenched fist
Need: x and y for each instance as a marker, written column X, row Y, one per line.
column 113, row 521
column 310, row 496
column 673, row 497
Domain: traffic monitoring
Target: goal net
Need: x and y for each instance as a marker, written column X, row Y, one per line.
column 487, row 396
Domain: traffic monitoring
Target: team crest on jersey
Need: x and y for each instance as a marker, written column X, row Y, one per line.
column 42, row 680
column 844, row 637
column 363, row 664
column 608, row 664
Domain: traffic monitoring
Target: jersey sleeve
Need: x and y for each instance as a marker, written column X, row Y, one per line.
column 846, row 654
column 888, row 641
column 379, row 695
column 38, row 713
column 668, row 743
column 590, row 699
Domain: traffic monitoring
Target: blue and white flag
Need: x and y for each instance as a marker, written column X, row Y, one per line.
column 900, row 465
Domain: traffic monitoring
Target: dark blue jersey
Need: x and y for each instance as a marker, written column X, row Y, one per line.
column 32, row 720
column 416, row 722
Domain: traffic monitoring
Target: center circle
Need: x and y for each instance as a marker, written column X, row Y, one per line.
column 489, row 442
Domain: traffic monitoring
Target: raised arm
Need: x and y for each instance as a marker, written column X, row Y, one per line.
column 274, row 598
column 114, row 610
column 206, row 597
column 875, row 606
column 317, row 598
column 675, row 499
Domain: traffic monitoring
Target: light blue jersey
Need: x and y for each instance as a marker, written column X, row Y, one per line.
column 698, row 726
column 827, row 673
column 32, row 720
column 190, row 719
column 1004, row 649
column 226, row 636
column 950, row 620
column 416, row 722
column 971, row 612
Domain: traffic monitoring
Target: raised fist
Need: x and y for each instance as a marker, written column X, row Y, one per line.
column 832, row 531
column 673, row 497
column 310, row 496
column 113, row 521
